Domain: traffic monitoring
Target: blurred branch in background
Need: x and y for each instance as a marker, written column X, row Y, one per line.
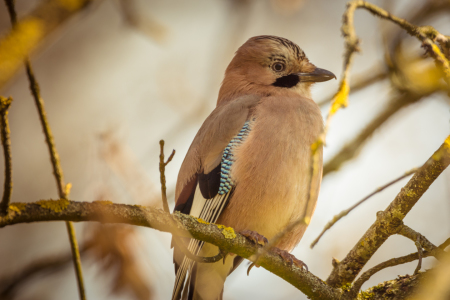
column 11, row 284
column 132, row 15
column 30, row 31
column 410, row 79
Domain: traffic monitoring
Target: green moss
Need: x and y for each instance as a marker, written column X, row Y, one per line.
column 54, row 205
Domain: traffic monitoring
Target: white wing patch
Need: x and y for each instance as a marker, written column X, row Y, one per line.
column 209, row 211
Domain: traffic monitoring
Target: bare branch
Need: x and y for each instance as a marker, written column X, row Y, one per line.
column 423, row 241
column 343, row 213
column 389, row 221
column 6, row 143
column 178, row 224
column 162, row 170
column 420, row 254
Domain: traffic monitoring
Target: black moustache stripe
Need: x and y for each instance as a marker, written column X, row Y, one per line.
column 287, row 81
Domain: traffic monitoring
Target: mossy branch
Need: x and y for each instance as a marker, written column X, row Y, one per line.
column 389, row 222
column 178, row 224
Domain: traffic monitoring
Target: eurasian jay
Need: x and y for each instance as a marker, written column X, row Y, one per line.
column 248, row 166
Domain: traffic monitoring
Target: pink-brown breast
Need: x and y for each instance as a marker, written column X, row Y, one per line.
column 271, row 170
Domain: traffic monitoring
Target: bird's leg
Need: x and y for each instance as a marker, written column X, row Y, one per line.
column 254, row 237
column 289, row 258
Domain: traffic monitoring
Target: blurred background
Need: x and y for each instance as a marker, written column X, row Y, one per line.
column 118, row 76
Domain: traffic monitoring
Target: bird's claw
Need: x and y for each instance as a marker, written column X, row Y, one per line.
column 254, row 237
column 290, row 259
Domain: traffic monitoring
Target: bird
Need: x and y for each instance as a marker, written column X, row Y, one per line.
column 248, row 166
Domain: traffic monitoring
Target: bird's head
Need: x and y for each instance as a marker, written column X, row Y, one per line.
column 271, row 63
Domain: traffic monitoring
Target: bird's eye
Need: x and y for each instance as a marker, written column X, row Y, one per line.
column 278, row 67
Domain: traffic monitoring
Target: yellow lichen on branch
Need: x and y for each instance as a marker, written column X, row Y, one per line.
column 17, row 207
column 341, row 98
column 103, row 202
column 227, row 232
column 200, row 220
column 55, row 205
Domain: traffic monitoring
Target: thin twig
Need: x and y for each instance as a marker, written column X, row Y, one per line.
column 343, row 213
column 391, row 263
column 440, row 59
column 6, row 143
column 63, row 190
column 177, row 241
column 420, row 254
column 162, row 170
column 415, row 236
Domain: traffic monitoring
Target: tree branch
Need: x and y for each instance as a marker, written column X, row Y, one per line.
column 6, row 143
column 424, row 242
column 178, row 224
column 389, row 221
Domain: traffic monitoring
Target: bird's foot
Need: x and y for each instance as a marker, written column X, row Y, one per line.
column 289, row 258
column 254, row 237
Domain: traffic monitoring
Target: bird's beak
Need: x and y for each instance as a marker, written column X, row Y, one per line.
column 317, row 75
